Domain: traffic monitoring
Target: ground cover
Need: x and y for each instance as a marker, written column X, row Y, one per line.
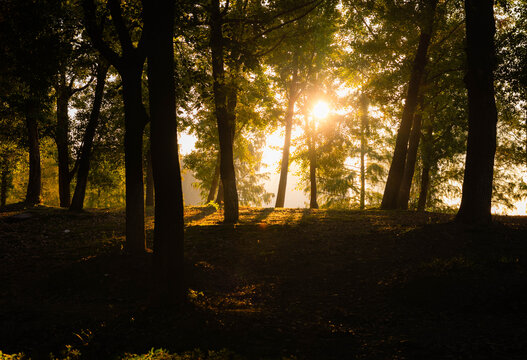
column 293, row 283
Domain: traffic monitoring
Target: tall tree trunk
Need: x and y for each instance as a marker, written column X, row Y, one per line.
column 290, row 112
column 149, row 201
column 4, row 178
column 425, row 185
column 426, row 159
column 395, row 174
column 411, row 157
column 34, row 183
column 226, row 120
column 77, row 202
column 364, row 103
column 312, row 171
column 135, row 120
column 168, row 230
column 61, row 139
column 215, row 181
column 482, row 115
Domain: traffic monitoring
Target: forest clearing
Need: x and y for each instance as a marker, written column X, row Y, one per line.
column 283, row 283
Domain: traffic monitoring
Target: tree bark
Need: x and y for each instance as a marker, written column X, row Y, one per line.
column 313, row 204
column 290, row 112
column 135, row 120
column 363, row 147
column 34, row 183
column 425, row 185
column 225, row 118
column 215, row 181
column 149, row 201
column 169, row 224
column 426, row 159
column 395, row 174
column 77, row 202
column 482, row 115
column 411, row 157
column 61, row 139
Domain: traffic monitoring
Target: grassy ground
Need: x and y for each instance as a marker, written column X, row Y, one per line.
column 288, row 283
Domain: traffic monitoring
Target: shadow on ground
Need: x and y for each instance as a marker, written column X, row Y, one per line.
column 314, row 284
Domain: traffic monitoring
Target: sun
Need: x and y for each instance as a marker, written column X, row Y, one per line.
column 321, row 110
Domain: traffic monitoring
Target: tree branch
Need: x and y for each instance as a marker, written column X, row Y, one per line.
column 122, row 32
column 96, row 34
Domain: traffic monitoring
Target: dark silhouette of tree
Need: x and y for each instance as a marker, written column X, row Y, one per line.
column 168, row 230
column 396, row 173
column 482, row 115
column 77, row 202
column 129, row 63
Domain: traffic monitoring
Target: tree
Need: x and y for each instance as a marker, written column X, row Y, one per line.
column 129, row 64
column 482, row 114
column 77, row 202
column 395, row 175
column 169, row 225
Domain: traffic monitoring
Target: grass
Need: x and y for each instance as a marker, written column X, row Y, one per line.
column 284, row 283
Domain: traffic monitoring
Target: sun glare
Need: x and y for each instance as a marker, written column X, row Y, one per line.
column 321, row 110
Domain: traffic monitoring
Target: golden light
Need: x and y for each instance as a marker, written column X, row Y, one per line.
column 321, row 110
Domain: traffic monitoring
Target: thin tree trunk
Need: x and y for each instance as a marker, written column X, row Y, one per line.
column 215, row 181
column 482, row 115
column 290, row 112
column 395, row 174
column 426, row 159
column 149, row 201
column 77, row 202
column 363, row 147
column 61, row 139
column 34, row 182
column 135, row 120
column 411, row 157
column 225, row 119
column 425, row 185
column 312, row 172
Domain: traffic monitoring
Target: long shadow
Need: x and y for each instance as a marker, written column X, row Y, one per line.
column 203, row 213
column 262, row 215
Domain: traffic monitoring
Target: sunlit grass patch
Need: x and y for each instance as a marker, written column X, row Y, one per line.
column 161, row 354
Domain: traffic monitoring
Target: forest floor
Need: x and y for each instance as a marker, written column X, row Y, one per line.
column 288, row 283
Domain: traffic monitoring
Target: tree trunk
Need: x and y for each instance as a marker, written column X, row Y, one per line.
column 425, row 185
column 215, row 181
column 135, row 120
column 225, row 119
column 34, row 183
column 482, row 115
column 149, row 201
column 363, row 147
column 426, row 159
column 395, row 174
column 312, row 172
column 411, row 157
column 290, row 112
column 77, row 202
column 169, row 225
column 61, row 139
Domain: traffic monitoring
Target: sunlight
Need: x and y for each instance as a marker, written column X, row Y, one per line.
column 321, row 110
